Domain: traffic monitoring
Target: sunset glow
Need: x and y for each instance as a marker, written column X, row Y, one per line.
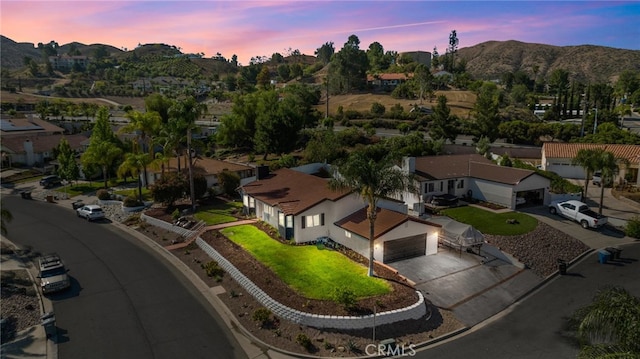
column 261, row 28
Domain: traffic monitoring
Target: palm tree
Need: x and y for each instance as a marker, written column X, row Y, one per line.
column 609, row 323
column 6, row 217
column 133, row 164
column 146, row 126
column 587, row 159
column 371, row 176
column 609, row 165
column 103, row 154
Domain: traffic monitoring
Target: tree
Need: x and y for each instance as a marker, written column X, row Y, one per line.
column 133, row 164
column 68, row 168
column 559, row 83
column 160, row 104
column 102, row 154
column 146, row 126
column 377, row 59
column 486, row 111
column 609, row 165
column 424, row 81
column 169, row 188
column 443, row 125
column 370, row 173
column 452, row 50
column 325, row 52
column 483, row 147
column 587, row 158
column 348, row 67
column 264, row 78
column 229, row 181
column 609, row 325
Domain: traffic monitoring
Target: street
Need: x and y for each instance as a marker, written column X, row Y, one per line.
column 125, row 301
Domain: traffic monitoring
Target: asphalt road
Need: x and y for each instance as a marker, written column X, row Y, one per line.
column 125, row 300
column 536, row 326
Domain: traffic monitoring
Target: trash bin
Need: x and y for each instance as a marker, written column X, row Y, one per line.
column 49, row 199
column 615, row 252
column 25, row 194
column 562, row 267
column 49, row 324
column 603, row 256
column 77, row 204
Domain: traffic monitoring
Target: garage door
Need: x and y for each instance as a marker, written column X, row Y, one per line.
column 404, row 248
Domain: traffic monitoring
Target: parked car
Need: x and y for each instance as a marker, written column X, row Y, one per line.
column 579, row 212
column 90, row 212
column 520, row 200
column 50, row 181
column 597, row 179
column 52, row 274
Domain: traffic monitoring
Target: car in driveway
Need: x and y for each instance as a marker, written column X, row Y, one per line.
column 52, row 274
column 578, row 212
column 50, row 181
column 90, row 212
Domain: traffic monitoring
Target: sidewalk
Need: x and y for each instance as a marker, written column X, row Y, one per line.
column 33, row 341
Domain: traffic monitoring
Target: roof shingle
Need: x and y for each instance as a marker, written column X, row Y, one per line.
column 386, row 220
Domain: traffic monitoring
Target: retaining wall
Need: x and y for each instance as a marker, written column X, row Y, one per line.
column 166, row 225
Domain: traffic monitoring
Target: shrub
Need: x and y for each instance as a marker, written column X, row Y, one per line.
column 213, row 269
column 103, row 194
column 131, row 201
column 175, row 214
column 345, row 297
column 632, row 229
column 262, row 315
column 303, row 340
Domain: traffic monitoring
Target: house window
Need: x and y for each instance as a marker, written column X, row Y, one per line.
column 347, row 234
column 313, row 221
column 430, row 187
column 461, row 183
column 441, row 186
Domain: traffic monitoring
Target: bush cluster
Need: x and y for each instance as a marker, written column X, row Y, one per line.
column 303, row 340
column 262, row 316
column 344, row 296
column 213, row 269
column 632, row 229
column 103, row 194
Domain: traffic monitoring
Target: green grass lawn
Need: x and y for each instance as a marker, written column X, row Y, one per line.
column 218, row 212
column 133, row 192
column 313, row 272
column 493, row 223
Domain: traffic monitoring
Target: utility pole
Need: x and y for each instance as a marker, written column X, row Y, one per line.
column 584, row 113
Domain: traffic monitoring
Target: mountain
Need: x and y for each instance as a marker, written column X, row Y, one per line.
column 488, row 60
column 587, row 63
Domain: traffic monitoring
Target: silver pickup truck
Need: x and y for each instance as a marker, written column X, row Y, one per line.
column 579, row 212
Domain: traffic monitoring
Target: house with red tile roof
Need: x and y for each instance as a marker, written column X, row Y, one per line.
column 557, row 157
column 303, row 208
column 472, row 175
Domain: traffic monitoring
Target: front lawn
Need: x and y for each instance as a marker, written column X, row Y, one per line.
column 313, row 272
column 493, row 223
column 218, row 212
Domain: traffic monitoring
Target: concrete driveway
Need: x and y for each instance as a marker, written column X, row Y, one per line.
column 473, row 286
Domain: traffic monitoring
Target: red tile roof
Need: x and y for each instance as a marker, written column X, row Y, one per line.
column 292, row 191
column 570, row 150
column 386, row 220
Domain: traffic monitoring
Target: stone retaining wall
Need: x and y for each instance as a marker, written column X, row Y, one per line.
column 415, row 311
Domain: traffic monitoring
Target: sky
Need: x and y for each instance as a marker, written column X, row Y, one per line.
column 260, row 28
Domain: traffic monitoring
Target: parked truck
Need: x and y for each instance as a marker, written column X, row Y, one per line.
column 579, row 212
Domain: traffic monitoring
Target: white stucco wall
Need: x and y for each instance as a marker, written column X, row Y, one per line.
column 333, row 211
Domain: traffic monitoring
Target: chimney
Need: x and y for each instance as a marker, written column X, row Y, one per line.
column 409, row 165
column 262, row 172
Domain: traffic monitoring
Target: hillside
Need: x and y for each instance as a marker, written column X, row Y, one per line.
column 595, row 64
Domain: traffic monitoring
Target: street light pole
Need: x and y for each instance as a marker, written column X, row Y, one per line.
column 584, row 114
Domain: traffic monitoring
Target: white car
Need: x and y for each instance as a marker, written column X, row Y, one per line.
column 520, row 200
column 90, row 212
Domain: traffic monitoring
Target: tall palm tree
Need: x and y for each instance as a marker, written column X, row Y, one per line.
column 146, row 125
column 587, row 158
column 609, row 164
column 372, row 177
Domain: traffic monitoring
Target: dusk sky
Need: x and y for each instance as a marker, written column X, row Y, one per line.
column 261, row 28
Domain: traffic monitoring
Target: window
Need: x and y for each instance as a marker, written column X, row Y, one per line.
column 313, row 221
column 441, row 186
column 430, row 187
column 347, row 234
column 461, row 183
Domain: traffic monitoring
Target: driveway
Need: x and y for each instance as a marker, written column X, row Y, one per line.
column 474, row 287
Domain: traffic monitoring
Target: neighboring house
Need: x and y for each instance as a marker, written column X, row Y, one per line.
column 32, row 126
column 33, row 150
column 303, row 208
column 557, row 157
column 472, row 175
column 211, row 167
column 387, row 82
column 65, row 62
